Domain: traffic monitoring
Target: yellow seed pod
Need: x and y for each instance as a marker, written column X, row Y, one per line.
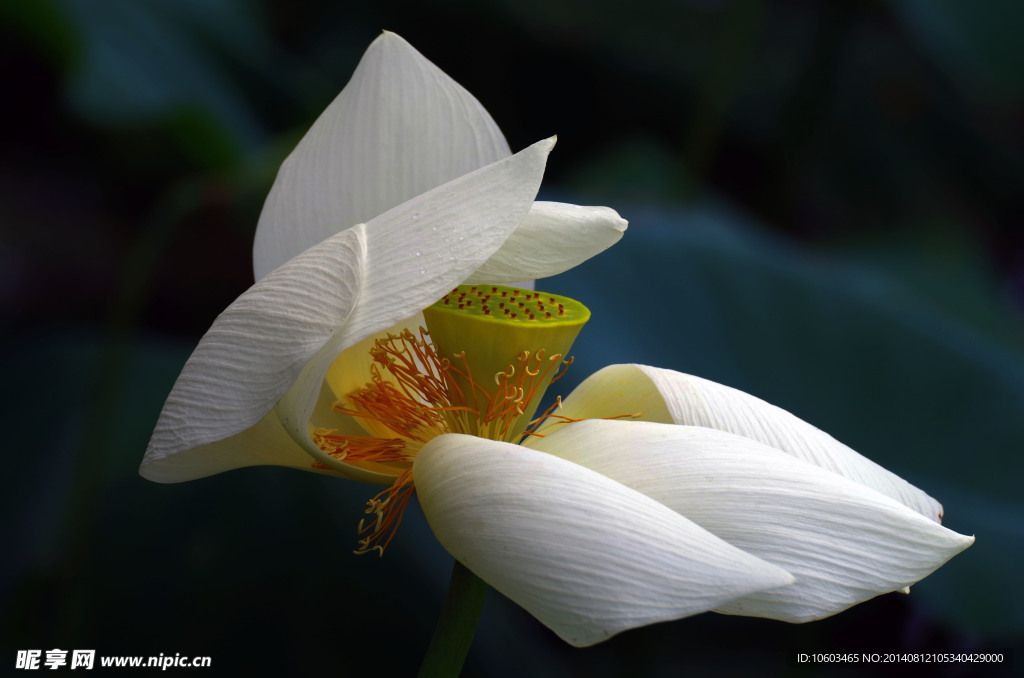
column 504, row 345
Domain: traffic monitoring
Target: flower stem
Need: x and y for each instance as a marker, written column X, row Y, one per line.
column 455, row 628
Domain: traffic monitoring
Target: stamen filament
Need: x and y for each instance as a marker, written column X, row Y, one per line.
column 389, row 512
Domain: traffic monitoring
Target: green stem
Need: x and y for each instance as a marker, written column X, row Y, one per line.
column 455, row 628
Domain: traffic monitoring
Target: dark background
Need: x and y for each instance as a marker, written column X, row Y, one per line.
column 824, row 204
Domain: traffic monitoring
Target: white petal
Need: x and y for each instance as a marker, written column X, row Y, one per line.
column 585, row 555
column 417, row 252
column 399, row 128
column 421, row 249
column 844, row 543
column 257, row 346
column 694, row 401
column 553, row 238
column 612, row 391
column 282, row 334
column 266, row 443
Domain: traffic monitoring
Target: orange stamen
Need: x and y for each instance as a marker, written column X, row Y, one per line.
column 359, row 448
column 557, row 405
column 389, row 506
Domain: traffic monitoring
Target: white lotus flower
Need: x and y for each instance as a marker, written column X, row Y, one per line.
column 409, row 152
column 711, row 500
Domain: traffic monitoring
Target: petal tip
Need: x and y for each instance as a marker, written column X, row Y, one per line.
column 611, row 219
column 541, row 148
column 391, row 37
column 154, row 474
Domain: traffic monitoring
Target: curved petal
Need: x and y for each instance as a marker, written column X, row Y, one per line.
column 844, row 542
column 399, row 128
column 584, row 554
column 694, row 401
column 281, row 335
column 553, row 238
column 613, row 391
column 258, row 345
column 264, row 443
column 415, row 253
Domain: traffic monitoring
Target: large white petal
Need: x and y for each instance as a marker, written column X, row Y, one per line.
column 258, row 345
column 282, row 334
column 553, row 238
column 266, row 443
column 584, row 554
column 844, row 542
column 455, row 228
column 399, row 128
column 689, row 400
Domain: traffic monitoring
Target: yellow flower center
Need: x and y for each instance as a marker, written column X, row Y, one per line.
column 480, row 367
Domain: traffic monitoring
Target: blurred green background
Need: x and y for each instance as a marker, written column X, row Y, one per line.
column 824, row 204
